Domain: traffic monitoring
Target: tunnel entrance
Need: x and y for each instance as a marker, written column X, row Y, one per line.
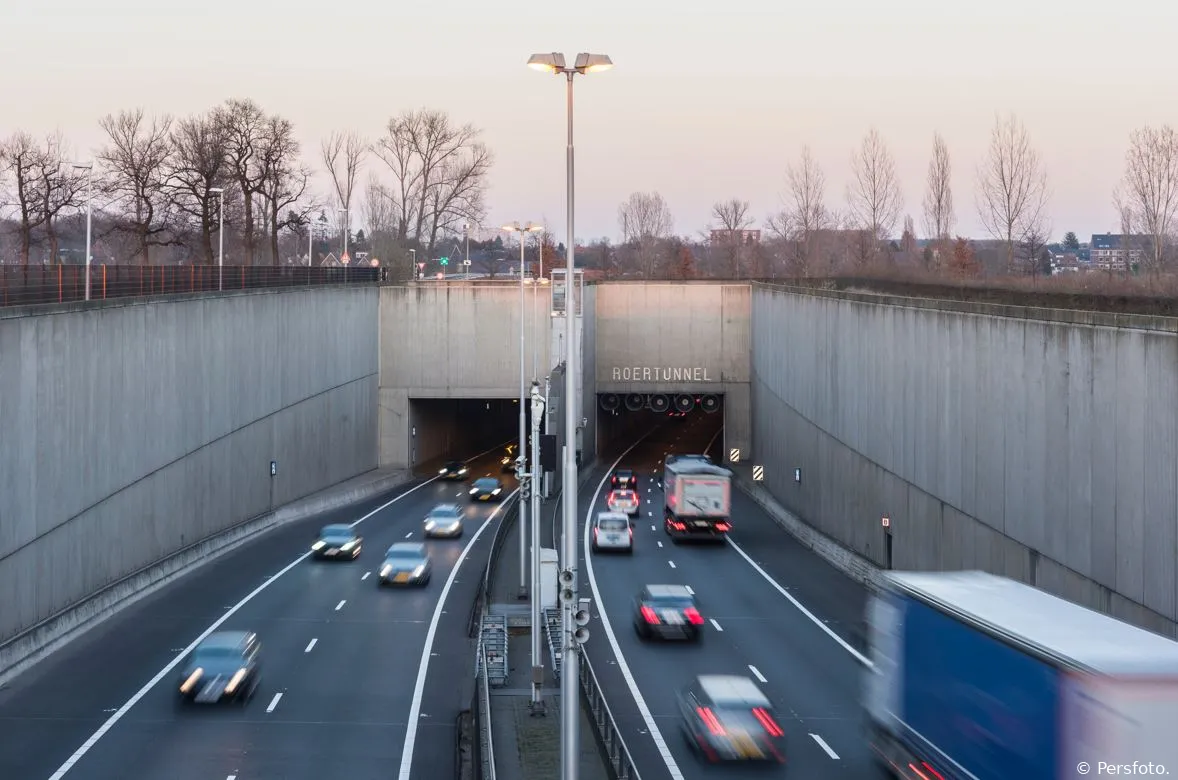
column 684, row 423
column 446, row 429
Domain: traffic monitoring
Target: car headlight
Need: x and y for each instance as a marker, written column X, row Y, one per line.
column 318, row 545
column 347, row 546
column 462, row 470
column 420, row 570
column 495, row 492
column 473, row 491
column 192, row 680
column 441, row 471
column 429, row 525
column 238, row 676
column 385, row 570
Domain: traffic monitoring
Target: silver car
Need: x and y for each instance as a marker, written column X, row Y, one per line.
column 406, row 563
column 444, row 520
column 612, row 531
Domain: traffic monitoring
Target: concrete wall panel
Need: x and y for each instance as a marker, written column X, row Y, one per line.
column 131, row 430
column 1040, row 445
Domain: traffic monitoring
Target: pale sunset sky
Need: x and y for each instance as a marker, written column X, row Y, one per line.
column 707, row 100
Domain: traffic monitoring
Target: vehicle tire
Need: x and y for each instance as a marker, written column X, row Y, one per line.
column 426, row 580
column 630, row 550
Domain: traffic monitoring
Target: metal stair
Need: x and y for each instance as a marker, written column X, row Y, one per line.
column 553, row 632
column 493, row 638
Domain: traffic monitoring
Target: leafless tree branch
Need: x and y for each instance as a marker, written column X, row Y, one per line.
column 939, row 215
column 874, row 197
column 1149, row 188
column 1012, row 185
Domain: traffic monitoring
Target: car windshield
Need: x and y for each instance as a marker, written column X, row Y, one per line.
column 612, row 524
column 454, row 466
column 445, row 512
column 404, row 555
column 217, row 655
column 486, row 484
column 336, row 532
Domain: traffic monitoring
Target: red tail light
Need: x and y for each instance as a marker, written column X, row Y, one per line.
column 693, row 616
column 723, row 527
column 766, row 720
column 649, row 616
column 595, row 532
column 678, row 526
column 631, row 534
column 711, row 721
column 923, row 768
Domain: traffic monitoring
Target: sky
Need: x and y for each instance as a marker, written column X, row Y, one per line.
column 707, row 101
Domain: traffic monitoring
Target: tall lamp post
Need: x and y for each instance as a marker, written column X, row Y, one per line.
column 220, row 193
column 521, row 461
column 89, row 168
column 570, row 757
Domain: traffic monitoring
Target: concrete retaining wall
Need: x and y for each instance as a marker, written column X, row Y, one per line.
column 130, row 430
column 1037, row 444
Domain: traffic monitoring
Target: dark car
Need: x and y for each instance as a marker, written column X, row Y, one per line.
column 224, row 666
column 455, row 470
column 667, row 612
column 337, row 541
column 486, row 489
column 728, row 718
column 623, row 479
column 444, row 520
column 507, row 461
column 406, row 563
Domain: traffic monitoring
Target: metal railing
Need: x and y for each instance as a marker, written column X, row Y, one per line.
column 483, row 595
column 617, row 755
column 22, row 285
column 482, row 713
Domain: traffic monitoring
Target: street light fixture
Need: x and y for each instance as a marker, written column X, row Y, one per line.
column 521, row 462
column 570, row 752
column 220, row 193
column 89, row 168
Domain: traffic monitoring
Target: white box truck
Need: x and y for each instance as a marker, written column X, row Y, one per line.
column 978, row 676
column 698, row 498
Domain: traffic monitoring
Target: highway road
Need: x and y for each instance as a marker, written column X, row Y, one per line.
column 807, row 662
column 346, row 664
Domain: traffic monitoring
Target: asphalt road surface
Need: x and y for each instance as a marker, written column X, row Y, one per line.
column 346, row 665
column 808, row 664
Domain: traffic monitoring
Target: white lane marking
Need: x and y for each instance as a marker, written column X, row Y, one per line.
column 672, row 563
column 365, row 575
column 415, row 714
column 690, row 592
column 119, row 714
column 660, row 544
column 813, row 619
column 652, row 528
column 408, row 534
column 757, row 673
column 623, row 667
column 822, row 744
column 340, row 605
column 712, row 440
column 231, row 777
column 274, row 702
column 311, row 645
column 715, row 625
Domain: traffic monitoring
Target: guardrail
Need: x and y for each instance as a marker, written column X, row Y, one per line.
column 481, row 709
column 617, row 755
column 483, row 594
column 22, row 285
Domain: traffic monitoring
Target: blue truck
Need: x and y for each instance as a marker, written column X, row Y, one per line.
column 979, row 677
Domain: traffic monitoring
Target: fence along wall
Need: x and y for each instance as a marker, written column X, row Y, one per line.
column 1039, row 445
column 130, row 430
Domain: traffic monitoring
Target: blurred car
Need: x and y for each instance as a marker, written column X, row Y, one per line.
column 667, row 612
column 337, row 541
column 612, row 531
column 226, row 665
column 507, row 462
column 623, row 479
column 455, row 470
column 728, row 718
column 444, row 520
column 406, row 563
column 623, row 501
column 486, row 489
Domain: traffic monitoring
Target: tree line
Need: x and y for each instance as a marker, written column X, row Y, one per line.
column 162, row 186
column 807, row 236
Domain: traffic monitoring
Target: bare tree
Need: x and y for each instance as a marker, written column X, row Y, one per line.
column 1012, row 185
column 874, row 196
column 283, row 181
column 244, row 125
column 24, row 161
column 200, row 164
column 939, row 215
column 440, row 172
column 908, row 236
column 732, row 218
column 1035, row 241
column 1150, row 185
column 645, row 221
column 138, row 162
column 343, row 155
column 61, row 189
column 805, row 213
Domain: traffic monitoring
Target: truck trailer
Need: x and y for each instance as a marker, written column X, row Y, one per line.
column 979, row 677
column 698, row 498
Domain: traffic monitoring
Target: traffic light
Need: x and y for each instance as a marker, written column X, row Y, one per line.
column 445, row 261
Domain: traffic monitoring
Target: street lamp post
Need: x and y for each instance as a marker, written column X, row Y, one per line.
column 89, row 168
column 537, row 704
column 413, row 260
column 521, row 461
column 570, row 757
column 220, row 193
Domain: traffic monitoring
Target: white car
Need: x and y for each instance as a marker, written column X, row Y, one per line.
column 612, row 531
column 623, row 501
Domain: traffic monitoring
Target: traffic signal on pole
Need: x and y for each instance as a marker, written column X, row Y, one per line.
column 445, row 261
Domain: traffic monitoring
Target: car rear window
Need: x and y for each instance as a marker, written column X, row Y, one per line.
column 671, row 602
column 612, row 524
column 624, row 495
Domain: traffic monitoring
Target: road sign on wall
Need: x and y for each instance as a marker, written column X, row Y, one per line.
column 758, row 473
column 345, row 259
column 734, row 455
